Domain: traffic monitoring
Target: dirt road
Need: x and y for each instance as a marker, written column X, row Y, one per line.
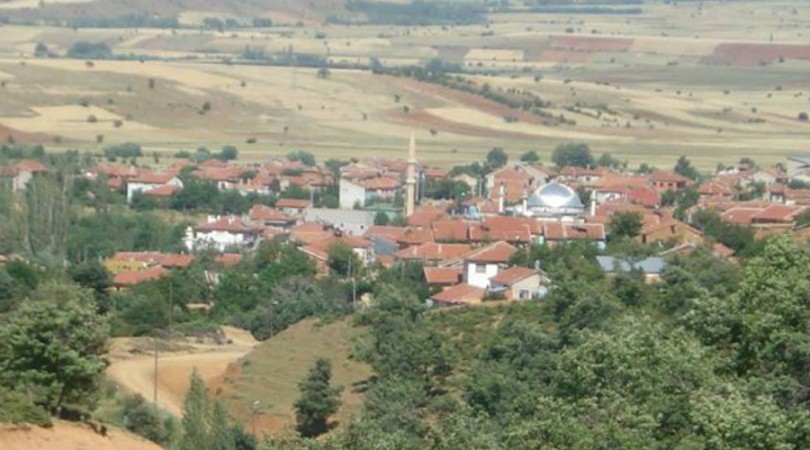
column 136, row 373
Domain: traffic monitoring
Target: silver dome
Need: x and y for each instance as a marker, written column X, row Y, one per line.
column 555, row 195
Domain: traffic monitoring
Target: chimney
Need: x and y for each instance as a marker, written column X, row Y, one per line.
column 501, row 199
column 593, row 207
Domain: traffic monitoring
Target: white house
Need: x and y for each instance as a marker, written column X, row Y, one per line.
column 483, row 264
column 520, row 283
column 223, row 233
column 149, row 180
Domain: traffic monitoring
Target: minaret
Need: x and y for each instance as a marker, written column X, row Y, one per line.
column 410, row 198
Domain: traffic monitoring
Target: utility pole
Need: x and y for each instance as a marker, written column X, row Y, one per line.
column 156, row 370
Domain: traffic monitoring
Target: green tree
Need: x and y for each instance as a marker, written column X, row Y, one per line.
column 381, row 219
column 93, row 275
column 577, row 155
column 319, row 400
column 530, row 157
column 684, row 167
column 196, row 421
column 497, row 157
column 54, row 347
column 343, row 260
column 626, row 224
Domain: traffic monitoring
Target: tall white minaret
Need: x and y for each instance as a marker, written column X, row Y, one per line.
column 410, row 199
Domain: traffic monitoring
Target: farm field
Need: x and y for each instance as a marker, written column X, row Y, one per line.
column 714, row 82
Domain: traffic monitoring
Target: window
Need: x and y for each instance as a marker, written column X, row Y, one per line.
column 480, row 268
column 524, row 294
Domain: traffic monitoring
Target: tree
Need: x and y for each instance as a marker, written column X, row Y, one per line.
column 305, row 158
column 626, row 224
column 530, row 157
column 205, row 422
column 54, row 347
column 342, row 260
column 228, row 153
column 577, row 155
column 41, row 50
column 381, row 218
column 497, row 157
column 92, row 275
column 684, row 167
column 319, row 400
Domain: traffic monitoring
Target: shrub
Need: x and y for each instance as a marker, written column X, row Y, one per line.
column 15, row 408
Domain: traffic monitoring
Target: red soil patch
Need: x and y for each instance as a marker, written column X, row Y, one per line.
column 754, row 54
column 566, row 56
column 20, row 137
column 466, row 99
column 422, row 119
column 590, row 44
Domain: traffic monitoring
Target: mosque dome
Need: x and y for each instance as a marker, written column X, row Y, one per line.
column 555, row 196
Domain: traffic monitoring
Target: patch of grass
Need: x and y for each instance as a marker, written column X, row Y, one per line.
column 271, row 372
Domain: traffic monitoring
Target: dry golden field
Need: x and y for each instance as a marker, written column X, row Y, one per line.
column 715, row 83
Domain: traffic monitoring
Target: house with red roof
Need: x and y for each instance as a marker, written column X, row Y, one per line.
column 361, row 191
column 270, row 217
column 560, row 233
column 432, row 253
column 482, row 264
column 22, row 172
column 147, row 181
column 443, row 276
column 666, row 180
column 460, row 294
column 520, row 283
column 223, row 233
column 293, row 206
column 318, row 251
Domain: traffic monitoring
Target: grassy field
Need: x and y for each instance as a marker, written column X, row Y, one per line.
column 271, row 372
column 714, row 82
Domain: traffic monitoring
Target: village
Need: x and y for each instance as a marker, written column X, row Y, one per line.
column 464, row 244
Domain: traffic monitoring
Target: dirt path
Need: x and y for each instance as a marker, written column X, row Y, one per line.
column 136, row 373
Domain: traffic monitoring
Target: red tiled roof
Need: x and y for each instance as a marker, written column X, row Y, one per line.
column 229, row 173
column 262, row 213
column 431, row 251
column 309, row 232
column 451, row 230
column 667, row 176
column 435, row 174
column 380, row 183
column 292, row 203
column 425, row 215
column 512, row 275
column 153, row 177
column 133, row 277
column 644, row 196
column 320, row 249
column 713, row 188
column 460, row 294
column 167, row 190
column 573, row 171
column 387, row 232
column 777, row 213
column 443, row 275
column 30, row 166
column 558, row 231
column 740, row 215
column 483, row 232
column 416, row 236
column 228, row 224
column 499, row 252
column 166, row 260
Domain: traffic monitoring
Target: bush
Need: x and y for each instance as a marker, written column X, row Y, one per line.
column 16, row 408
column 144, row 420
column 803, row 116
column 89, row 50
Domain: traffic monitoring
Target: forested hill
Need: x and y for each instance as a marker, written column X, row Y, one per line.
column 714, row 357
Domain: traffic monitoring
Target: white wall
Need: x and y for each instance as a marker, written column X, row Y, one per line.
column 481, row 280
column 351, row 194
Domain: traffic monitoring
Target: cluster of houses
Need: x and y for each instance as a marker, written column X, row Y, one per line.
column 465, row 245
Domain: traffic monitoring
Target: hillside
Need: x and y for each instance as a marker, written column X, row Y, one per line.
column 69, row 436
column 271, row 372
